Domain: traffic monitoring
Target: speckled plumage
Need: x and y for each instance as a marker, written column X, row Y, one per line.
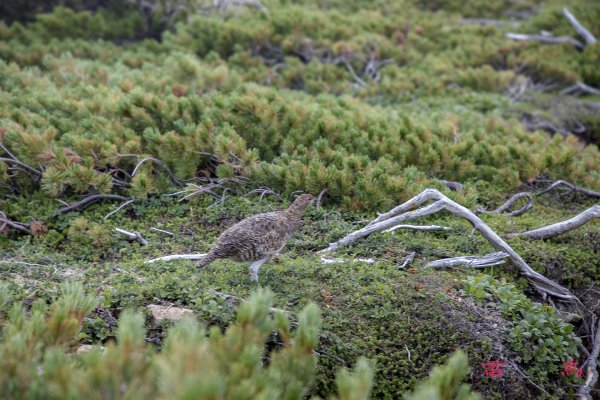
column 259, row 237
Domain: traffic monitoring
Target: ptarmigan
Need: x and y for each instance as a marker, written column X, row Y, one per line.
column 259, row 237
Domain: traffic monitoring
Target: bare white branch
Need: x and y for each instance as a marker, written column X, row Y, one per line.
column 176, row 257
column 470, row 261
column 407, row 260
column 571, row 188
column 385, row 221
column 521, row 37
column 592, row 368
column 133, row 236
column 119, row 208
column 420, row 228
column 509, row 203
column 580, row 88
column 584, row 33
column 163, row 231
column 558, row 228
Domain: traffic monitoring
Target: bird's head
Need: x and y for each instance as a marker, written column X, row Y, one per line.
column 301, row 203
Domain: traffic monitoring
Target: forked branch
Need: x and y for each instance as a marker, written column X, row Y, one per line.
column 509, row 203
column 440, row 202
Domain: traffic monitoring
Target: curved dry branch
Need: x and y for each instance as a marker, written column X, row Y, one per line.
column 521, row 37
column 88, row 201
column 584, row 33
column 592, row 368
column 440, row 202
column 173, row 257
column 119, row 208
column 488, row 260
column 133, row 236
column 4, row 222
column 580, row 88
column 570, row 188
column 559, row 228
column 161, row 164
column 420, row 228
column 509, row 203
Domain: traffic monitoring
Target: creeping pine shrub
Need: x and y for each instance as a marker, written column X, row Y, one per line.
column 444, row 382
column 196, row 362
column 542, row 339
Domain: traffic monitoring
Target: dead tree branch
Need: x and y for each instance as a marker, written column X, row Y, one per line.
column 509, row 203
column 521, row 37
column 488, row 260
column 408, row 260
column 133, row 236
column 570, row 188
column 88, row 201
column 559, row 228
column 420, row 228
column 161, row 164
column 4, row 222
column 173, row 257
column 584, row 33
column 119, row 208
column 592, row 368
column 580, row 88
column 162, row 231
column 440, row 202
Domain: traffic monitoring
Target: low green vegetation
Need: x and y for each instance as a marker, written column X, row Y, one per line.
column 203, row 115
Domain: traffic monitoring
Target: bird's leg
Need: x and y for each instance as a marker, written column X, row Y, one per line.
column 255, row 267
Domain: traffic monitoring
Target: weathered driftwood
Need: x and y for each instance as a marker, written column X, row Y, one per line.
column 488, row 260
column 326, row 260
column 89, row 200
column 521, row 37
column 592, row 368
column 420, row 228
column 580, row 88
column 559, row 228
column 569, row 188
column 584, row 33
column 173, row 257
column 509, row 203
column 133, row 236
column 440, row 202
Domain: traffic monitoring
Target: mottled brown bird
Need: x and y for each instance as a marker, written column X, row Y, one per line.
column 259, row 237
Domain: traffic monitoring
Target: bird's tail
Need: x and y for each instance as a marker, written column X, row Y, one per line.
column 210, row 257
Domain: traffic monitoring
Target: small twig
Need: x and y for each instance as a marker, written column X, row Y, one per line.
column 509, row 203
column 584, row 33
column 407, row 352
column 88, row 201
column 420, row 228
column 520, row 37
column 161, row 164
column 488, row 260
column 133, row 236
column 320, row 197
column 162, row 231
column 559, row 228
column 119, row 208
column 571, row 187
column 407, row 261
column 173, row 257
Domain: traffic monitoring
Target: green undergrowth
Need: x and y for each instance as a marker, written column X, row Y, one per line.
column 371, row 310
